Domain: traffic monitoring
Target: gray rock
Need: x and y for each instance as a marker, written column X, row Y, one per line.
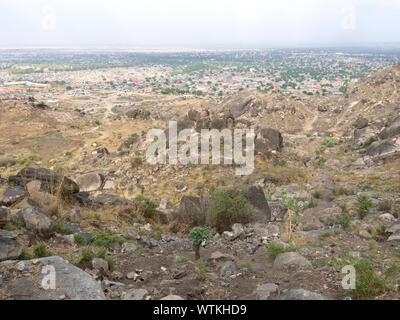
column 381, row 147
column 290, row 261
column 361, row 122
column 228, row 269
column 35, row 220
column 391, row 131
column 12, row 195
column 9, row 247
column 394, row 227
column 99, row 264
column 277, row 211
column 136, row 294
column 89, row 181
column 172, row 297
column 51, row 181
column 264, row 291
column 395, row 236
column 4, row 214
column 301, row 294
column 71, row 282
column 268, row 139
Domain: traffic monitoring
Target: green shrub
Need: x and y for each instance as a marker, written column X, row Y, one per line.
column 364, row 185
column 87, row 255
column 111, row 263
column 196, row 236
column 342, row 192
column 368, row 283
column 106, row 238
column 363, row 205
column 25, row 255
column 41, row 250
column 385, row 205
column 136, row 162
column 60, row 227
column 180, row 260
column 275, row 248
column 201, row 274
column 102, row 253
column 229, row 206
column 246, row 265
column 149, row 206
column 80, row 239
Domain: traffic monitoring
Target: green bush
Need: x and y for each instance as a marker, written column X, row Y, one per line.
column 368, row 283
column 106, row 238
column 196, row 236
column 275, row 248
column 80, row 239
column 87, row 255
column 180, row 260
column 60, row 227
column 229, row 206
column 363, row 205
column 111, row 263
column 41, row 250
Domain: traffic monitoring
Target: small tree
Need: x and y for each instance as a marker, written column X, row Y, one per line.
column 196, row 236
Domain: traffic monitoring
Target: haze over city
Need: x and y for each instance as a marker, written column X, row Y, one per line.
column 224, row 23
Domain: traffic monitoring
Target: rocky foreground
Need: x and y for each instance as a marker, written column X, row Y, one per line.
column 325, row 194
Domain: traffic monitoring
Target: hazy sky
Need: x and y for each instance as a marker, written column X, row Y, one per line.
column 193, row 23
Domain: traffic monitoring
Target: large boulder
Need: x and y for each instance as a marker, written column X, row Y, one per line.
column 71, row 282
column 381, row 147
column 256, row 197
column 35, row 220
column 51, row 181
column 12, row 195
column 89, row 181
column 391, row 131
column 268, row 139
column 4, row 214
column 9, row 247
column 289, row 261
column 192, row 210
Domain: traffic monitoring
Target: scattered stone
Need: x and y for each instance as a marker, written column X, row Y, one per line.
column 290, row 261
column 71, row 282
column 395, row 236
column 172, row 297
column 365, row 234
column 136, row 294
column 301, row 294
column 99, row 264
column 89, row 181
column 51, row 181
column 9, row 247
column 228, row 269
column 264, row 291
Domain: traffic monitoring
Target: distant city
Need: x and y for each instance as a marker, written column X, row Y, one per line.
column 49, row 72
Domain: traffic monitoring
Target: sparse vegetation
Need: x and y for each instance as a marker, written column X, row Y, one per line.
column 106, row 238
column 275, row 248
column 229, row 206
column 40, row 250
column 196, row 236
column 363, row 205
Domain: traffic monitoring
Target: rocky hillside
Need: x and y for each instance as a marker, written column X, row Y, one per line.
column 77, row 194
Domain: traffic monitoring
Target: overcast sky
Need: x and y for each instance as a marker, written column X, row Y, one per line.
column 203, row 23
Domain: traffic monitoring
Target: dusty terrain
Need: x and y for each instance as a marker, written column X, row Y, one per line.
column 337, row 171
